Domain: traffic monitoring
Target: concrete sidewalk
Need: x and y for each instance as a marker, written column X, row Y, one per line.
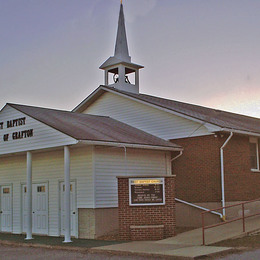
column 154, row 249
column 188, row 244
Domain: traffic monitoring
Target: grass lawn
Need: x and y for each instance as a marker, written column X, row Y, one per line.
column 56, row 241
column 250, row 241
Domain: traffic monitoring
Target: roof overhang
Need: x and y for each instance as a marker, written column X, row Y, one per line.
column 90, row 99
column 112, row 61
column 128, row 145
column 102, row 89
column 229, row 130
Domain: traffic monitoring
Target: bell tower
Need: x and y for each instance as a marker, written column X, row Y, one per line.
column 119, row 67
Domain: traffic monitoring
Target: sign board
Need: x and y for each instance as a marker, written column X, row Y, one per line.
column 146, row 191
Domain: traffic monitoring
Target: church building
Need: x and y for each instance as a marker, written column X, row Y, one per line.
column 58, row 168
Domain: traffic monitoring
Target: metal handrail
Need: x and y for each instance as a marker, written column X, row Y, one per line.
column 242, row 204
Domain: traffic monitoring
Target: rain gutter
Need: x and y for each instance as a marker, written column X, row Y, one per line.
column 140, row 146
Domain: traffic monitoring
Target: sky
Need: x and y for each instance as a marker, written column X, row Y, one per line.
column 204, row 52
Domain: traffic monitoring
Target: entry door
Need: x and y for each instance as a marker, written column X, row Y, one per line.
column 6, row 208
column 73, row 209
column 39, row 208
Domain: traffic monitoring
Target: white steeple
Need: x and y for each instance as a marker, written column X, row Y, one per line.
column 120, row 65
column 121, row 48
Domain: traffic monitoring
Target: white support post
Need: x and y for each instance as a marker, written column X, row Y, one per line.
column 67, row 238
column 106, row 77
column 121, row 74
column 137, row 79
column 29, row 196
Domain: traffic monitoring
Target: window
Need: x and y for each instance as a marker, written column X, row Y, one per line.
column 64, row 187
column 254, row 154
column 40, row 188
column 6, row 190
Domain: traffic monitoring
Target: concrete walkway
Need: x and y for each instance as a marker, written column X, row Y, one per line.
column 216, row 234
column 163, row 250
column 188, row 244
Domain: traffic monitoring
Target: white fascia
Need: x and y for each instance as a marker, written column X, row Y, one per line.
column 138, row 146
column 155, row 106
column 86, row 100
column 239, row 132
column 210, row 127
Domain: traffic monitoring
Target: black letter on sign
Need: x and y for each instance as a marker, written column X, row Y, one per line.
column 6, row 137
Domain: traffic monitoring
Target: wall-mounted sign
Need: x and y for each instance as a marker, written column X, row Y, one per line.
column 146, row 191
column 16, row 135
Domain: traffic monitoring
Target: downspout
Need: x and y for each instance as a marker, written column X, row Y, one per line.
column 125, row 161
column 223, row 176
column 174, row 158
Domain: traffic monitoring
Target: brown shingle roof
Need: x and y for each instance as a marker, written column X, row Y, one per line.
column 213, row 116
column 93, row 128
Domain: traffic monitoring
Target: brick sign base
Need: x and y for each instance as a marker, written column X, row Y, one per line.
column 152, row 222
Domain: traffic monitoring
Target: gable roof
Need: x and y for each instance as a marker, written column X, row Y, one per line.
column 93, row 128
column 219, row 118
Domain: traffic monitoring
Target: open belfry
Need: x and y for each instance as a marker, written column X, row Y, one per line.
column 60, row 170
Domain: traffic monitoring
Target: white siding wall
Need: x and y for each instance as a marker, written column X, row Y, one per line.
column 146, row 118
column 48, row 167
column 43, row 135
column 110, row 163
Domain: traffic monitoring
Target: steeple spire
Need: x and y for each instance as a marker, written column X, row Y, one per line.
column 119, row 69
column 121, row 48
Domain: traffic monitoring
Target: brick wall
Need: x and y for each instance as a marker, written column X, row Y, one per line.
column 132, row 219
column 198, row 174
column 241, row 182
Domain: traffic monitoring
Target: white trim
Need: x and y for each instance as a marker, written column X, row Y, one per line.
column 157, row 106
column 254, row 170
column 139, row 146
column 138, row 100
column 255, row 141
column 239, row 132
column 85, row 100
column 211, row 127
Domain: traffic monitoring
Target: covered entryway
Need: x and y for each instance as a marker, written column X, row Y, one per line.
column 39, row 208
column 73, row 209
column 6, row 208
